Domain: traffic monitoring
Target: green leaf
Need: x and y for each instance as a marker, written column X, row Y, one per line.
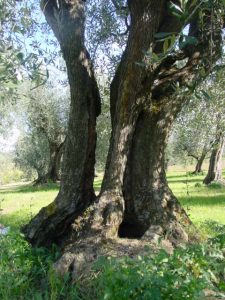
column 163, row 35
column 187, row 40
column 176, row 10
column 165, row 45
column 20, row 56
column 206, row 95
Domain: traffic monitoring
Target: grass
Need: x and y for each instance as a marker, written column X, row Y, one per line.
column 27, row 273
column 20, row 202
column 201, row 202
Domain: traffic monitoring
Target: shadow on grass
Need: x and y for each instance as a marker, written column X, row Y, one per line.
column 216, row 200
column 182, row 180
column 29, row 188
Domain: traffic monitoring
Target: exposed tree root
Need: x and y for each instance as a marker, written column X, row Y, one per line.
column 95, row 234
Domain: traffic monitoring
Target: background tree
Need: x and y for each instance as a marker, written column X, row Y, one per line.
column 216, row 94
column 43, row 114
column 194, row 131
column 32, row 155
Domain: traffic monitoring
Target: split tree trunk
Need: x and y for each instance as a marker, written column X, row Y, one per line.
column 135, row 195
column 149, row 202
column 215, row 163
column 67, row 20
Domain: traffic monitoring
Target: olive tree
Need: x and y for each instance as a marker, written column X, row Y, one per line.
column 135, row 200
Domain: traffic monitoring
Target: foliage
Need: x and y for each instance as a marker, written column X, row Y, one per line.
column 196, row 128
column 106, row 34
column 32, row 154
column 103, row 128
column 42, row 116
column 47, row 109
column 8, row 171
column 17, row 24
column 183, row 275
column 26, row 273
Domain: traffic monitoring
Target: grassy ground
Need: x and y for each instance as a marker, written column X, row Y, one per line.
column 18, row 203
column 201, row 202
column 26, row 273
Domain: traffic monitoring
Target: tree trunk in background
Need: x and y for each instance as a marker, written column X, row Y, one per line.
column 53, row 168
column 59, row 159
column 198, row 167
column 67, row 20
column 55, row 157
column 215, row 163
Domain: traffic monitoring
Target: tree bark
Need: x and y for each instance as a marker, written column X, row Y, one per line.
column 126, row 106
column 67, row 20
column 135, row 197
column 53, row 172
column 215, row 163
column 149, row 202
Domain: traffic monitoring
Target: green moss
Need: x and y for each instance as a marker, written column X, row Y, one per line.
column 51, row 208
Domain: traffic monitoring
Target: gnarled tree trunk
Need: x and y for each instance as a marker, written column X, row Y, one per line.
column 215, row 163
column 67, row 20
column 134, row 194
column 149, row 202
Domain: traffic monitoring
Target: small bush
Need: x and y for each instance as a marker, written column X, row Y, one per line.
column 184, row 275
column 212, row 228
column 215, row 185
column 26, row 273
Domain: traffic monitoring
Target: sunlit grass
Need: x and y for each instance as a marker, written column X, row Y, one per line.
column 200, row 201
column 19, row 203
